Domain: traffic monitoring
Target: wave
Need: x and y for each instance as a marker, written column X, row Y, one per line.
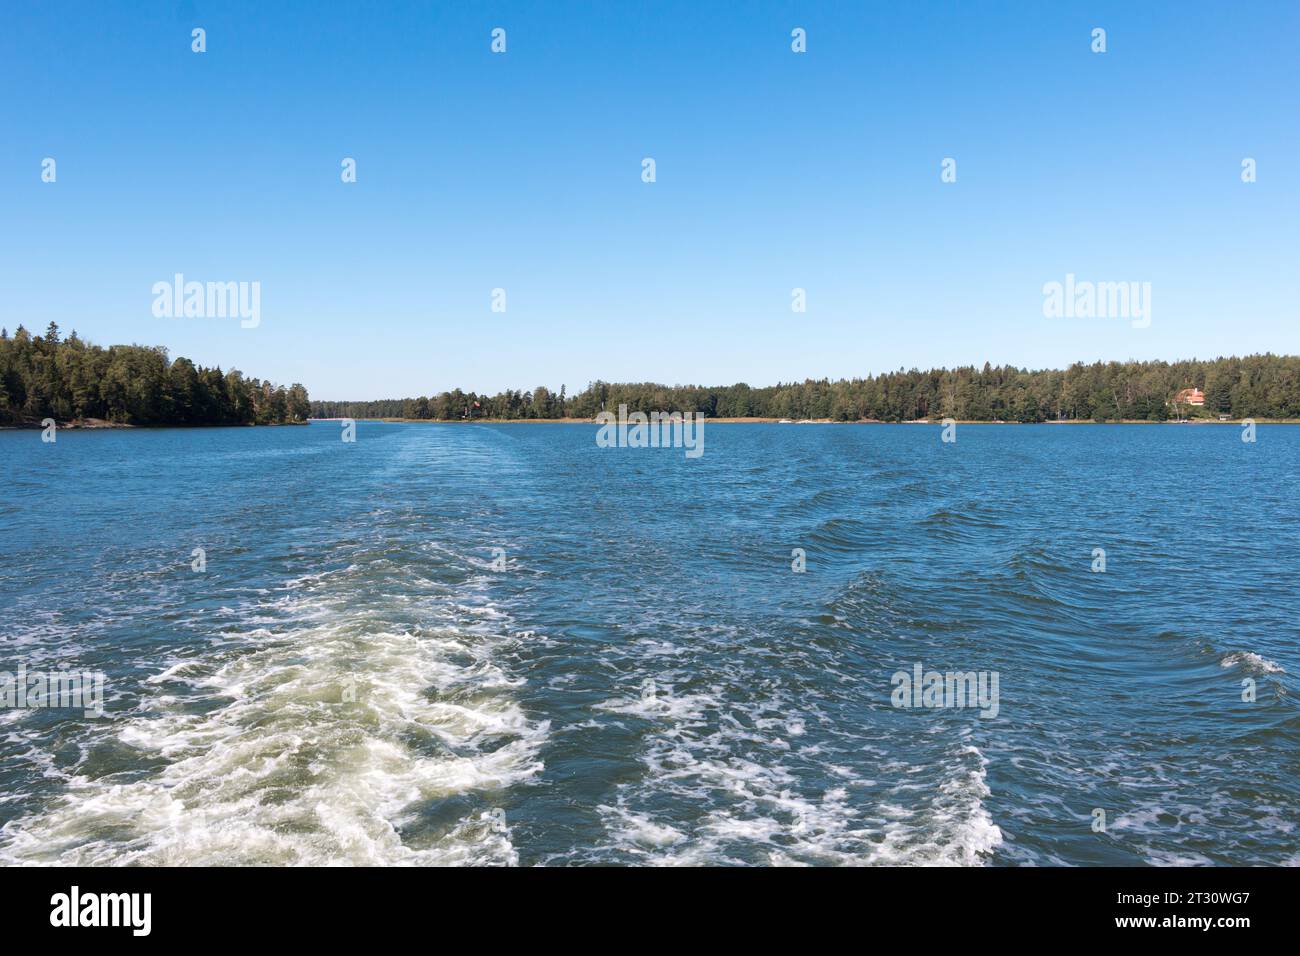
column 771, row 786
column 322, row 742
column 1251, row 662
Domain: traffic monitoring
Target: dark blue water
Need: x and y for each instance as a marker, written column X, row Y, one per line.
column 350, row 679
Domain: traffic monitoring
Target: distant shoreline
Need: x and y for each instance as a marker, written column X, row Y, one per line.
column 99, row 424
column 1260, row 387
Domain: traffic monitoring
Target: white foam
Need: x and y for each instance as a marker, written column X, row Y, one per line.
column 1251, row 661
column 710, row 750
column 316, row 743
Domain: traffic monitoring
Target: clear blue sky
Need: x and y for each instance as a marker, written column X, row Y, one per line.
column 775, row 170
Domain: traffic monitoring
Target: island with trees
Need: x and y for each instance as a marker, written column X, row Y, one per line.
column 1263, row 387
column 72, row 381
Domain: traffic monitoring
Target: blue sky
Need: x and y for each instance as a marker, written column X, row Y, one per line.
column 774, row 170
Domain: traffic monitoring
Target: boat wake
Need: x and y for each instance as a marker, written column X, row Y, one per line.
column 332, row 736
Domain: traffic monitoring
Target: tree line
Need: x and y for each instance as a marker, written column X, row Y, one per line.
column 1256, row 386
column 70, row 379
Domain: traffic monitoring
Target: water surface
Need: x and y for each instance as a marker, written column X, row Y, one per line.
column 648, row 681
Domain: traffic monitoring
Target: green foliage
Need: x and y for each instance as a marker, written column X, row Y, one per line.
column 1257, row 386
column 130, row 384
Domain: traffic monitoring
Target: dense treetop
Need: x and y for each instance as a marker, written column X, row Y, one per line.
column 69, row 379
column 1257, row 386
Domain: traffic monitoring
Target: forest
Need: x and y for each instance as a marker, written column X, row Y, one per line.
column 72, row 380
column 1256, row 386
column 68, row 379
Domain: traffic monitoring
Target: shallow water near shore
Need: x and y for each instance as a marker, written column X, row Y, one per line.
column 352, row 678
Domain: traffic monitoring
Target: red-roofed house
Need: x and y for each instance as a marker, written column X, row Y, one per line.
column 1190, row 396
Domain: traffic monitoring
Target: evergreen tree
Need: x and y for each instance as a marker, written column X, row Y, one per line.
column 1259, row 386
column 131, row 384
